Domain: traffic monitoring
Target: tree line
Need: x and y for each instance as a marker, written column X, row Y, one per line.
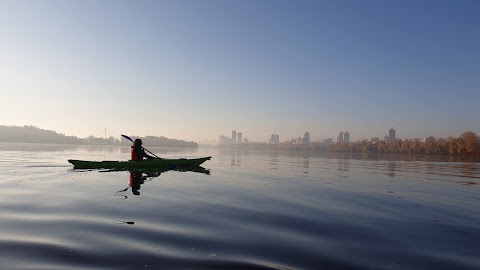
column 468, row 145
column 33, row 134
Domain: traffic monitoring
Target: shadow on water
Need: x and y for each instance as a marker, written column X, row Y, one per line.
column 137, row 177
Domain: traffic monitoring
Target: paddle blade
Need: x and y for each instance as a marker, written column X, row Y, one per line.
column 126, row 137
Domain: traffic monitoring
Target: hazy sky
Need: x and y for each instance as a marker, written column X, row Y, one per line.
column 195, row 70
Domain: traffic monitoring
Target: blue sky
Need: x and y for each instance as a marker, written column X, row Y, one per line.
column 195, row 70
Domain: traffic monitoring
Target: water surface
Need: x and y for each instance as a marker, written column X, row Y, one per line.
column 254, row 210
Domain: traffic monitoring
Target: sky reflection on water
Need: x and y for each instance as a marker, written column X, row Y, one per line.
column 255, row 210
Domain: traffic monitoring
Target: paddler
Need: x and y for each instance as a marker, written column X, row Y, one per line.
column 137, row 153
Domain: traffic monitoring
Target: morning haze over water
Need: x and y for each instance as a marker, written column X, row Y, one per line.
column 273, row 135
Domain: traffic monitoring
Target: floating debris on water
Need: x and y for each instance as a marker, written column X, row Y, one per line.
column 125, row 222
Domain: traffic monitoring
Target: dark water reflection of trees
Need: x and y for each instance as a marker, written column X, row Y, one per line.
column 354, row 156
column 388, row 164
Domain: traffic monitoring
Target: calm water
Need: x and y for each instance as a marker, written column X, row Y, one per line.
column 255, row 210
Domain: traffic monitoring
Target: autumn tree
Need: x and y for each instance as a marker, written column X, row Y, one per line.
column 470, row 142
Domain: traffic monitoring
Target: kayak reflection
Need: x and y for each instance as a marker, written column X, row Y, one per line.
column 138, row 177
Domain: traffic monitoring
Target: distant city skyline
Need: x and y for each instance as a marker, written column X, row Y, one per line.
column 192, row 70
column 343, row 136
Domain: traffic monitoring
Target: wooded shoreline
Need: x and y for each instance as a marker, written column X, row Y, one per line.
column 468, row 145
column 32, row 134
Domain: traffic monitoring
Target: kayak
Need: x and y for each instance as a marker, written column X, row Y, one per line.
column 150, row 163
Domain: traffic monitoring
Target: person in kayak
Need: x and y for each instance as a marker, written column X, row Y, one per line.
column 137, row 153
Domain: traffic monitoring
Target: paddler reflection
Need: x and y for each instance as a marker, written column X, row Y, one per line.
column 138, row 178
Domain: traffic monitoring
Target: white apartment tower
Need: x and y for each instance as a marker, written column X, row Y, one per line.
column 234, row 136
column 346, row 136
column 306, row 138
column 340, row 137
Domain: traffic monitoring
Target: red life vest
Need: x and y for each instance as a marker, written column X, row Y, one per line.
column 133, row 155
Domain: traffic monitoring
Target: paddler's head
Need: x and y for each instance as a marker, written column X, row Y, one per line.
column 137, row 143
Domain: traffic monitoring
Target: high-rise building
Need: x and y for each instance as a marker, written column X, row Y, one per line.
column 239, row 138
column 391, row 134
column 346, row 136
column 234, row 136
column 306, row 138
column 274, row 138
column 340, row 137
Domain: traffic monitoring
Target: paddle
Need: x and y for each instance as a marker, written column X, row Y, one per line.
column 169, row 164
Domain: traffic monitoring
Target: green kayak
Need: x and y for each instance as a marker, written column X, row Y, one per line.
column 151, row 163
